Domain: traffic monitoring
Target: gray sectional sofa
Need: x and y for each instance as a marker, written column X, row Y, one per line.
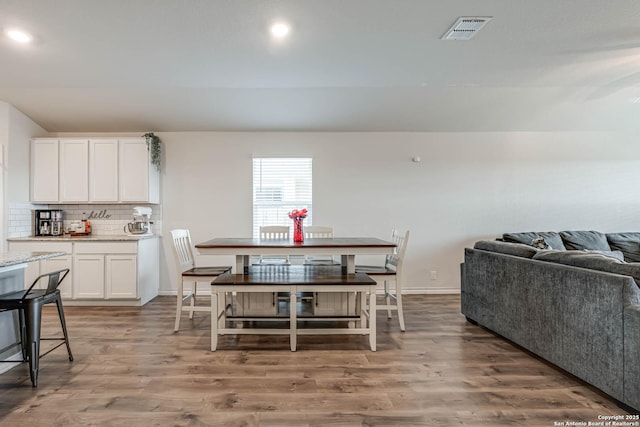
column 576, row 304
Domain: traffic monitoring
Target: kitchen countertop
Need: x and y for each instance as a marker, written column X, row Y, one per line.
column 92, row 238
column 12, row 258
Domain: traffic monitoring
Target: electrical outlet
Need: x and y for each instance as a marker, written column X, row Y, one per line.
column 434, row 275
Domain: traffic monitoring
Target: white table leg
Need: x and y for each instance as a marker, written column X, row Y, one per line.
column 372, row 318
column 214, row 319
column 351, row 263
column 293, row 322
column 239, row 264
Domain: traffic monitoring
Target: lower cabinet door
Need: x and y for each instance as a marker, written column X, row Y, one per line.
column 88, row 276
column 55, row 264
column 121, row 276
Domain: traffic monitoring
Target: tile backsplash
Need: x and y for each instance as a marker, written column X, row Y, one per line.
column 105, row 219
column 20, row 221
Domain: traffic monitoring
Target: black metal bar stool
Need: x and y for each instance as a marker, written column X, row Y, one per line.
column 29, row 305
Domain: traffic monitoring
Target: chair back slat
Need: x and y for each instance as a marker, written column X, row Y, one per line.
column 394, row 261
column 182, row 250
column 274, row 232
column 318, row 232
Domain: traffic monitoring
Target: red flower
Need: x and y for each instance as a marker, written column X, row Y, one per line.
column 298, row 214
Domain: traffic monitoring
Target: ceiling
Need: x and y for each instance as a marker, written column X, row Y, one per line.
column 348, row 65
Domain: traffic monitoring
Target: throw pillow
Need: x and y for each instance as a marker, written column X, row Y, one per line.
column 578, row 240
column 550, row 237
column 628, row 243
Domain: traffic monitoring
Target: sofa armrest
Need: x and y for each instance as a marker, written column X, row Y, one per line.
column 516, row 249
column 631, row 356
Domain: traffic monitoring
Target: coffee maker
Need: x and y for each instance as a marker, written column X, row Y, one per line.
column 141, row 223
column 48, row 222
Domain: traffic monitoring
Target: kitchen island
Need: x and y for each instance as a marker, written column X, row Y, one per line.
column 12, row 266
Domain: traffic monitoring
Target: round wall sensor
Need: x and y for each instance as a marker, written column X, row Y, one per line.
column 416, row 159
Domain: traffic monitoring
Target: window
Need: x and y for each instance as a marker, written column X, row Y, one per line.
column 279, row 186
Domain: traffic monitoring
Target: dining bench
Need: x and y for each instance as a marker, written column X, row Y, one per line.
column 294, row 279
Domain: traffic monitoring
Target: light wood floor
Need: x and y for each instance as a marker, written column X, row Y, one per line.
column 130, row 369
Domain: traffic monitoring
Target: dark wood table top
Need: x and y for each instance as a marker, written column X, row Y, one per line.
column 336, row 242
column 294, row 275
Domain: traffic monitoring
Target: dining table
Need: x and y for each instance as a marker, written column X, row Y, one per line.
column 346, row 247
column 339, row 293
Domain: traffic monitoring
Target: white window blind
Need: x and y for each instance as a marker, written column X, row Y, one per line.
column 280, row 185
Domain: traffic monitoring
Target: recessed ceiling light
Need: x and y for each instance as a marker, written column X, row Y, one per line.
column 280, row 30
column 19, row 36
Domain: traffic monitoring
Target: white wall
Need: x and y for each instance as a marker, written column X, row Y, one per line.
column 16, row 129
column 469, row 186
column 21, row 130
column 4, row 141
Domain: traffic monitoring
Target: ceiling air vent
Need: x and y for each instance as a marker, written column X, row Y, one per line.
column 466, row 27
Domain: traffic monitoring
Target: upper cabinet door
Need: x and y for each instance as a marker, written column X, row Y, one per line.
column 103, row 170
column 44, row 170
column 74, row 170
column 138, row 179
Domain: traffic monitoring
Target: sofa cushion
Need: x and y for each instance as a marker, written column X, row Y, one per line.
column 516, row 249
column 627, row 243
column 591, row 260
column 552, row 238
column 613, row 254
column 577, row 240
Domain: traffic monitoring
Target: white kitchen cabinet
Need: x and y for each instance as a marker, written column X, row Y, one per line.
column 36, row 268
column 128, row 271
column 74, row 170
column 103, row 170
column 121, row 276
column 88, row 278
column 97, row 170
column 103, row 272
column 44, row 170
column 139, row 180
column 114, row 262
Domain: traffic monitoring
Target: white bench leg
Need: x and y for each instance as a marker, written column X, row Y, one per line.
column 372, row 318
column 214, row 320
column 293, row 322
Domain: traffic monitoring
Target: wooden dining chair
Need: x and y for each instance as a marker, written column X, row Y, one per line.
column 390, row 272
column 274, row 232
column 319, row 232
column 188, row 272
